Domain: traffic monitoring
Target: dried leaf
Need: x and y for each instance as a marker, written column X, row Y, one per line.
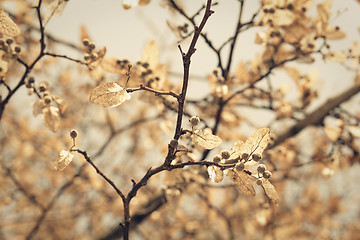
column 56, row 8
column 7, row 26
column 257, row 142
column 51, row 117
column 109, row 95
column 38, row 106
column 64, row 159
column 144, row 2
column 128, row 4
column 333, row 133
column 205, row 139
column 61, row 103
column 242, row 180
column 283, row 17
column 270, row 192
column 215, row 174
column 355, row 131
column 151, row 54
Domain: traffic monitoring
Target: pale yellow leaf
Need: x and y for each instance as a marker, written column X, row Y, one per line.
column 333, row 133
column 283, row 17
column 336, row 56
column 128, row 4
column 257, row 142
column 144, row 2
column 55, row 8
column 270, row 191
column 64, row 159
column 355, row 131
column 215, row 174
column 7, row 26
column 242, row 180
column 205, row 139
column 51, row 117
column 151, row 54
column 109, row 94
column 61, row 103
column 38, row 106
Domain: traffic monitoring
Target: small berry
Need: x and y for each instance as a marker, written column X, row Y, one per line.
column 47, row 100
column 86, row 42
column 256, row 157
column 245, row 156
column 225, row 154
column 267, row 174
column 9, row 41
column 42, row 87
column 194, row 120
column 240, row 166
column 261, row 168
column 17, row 49
column 259, row 181
column 216, row 158
column 73, row 133
column 174, row 143
column 92, row 46
column 93, row 56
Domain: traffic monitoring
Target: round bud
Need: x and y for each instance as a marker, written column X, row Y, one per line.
column 259, row 181
column 261, row 168
column 14, row 55
column 9, row 41
column 245, row 156
column 217, row 159
column 86, row 42
column 92, row 46
column 174, row 143
column 31, row 79
column 267, row 174
column 28, row 84
column 194, row 120
column 93, row 56
column 225, row 154
column 42, row 87
column 47, row 100
column 17, row 49
column 87, row 56
column 73, row 133
column 240, row 166
column 256, row 157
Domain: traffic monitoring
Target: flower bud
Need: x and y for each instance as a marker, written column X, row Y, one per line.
column 240, row 166
column 174, row 143
column 17, row 49
column 259, row 181
column 245, row 156
column 267, row 174
column 86, row 42
column 217, row 159
column 47, row 100
column 9, row 41
column 194, row 120
column 256, row 157
column 225, row 154
column 73, row 133
column 261, row 168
